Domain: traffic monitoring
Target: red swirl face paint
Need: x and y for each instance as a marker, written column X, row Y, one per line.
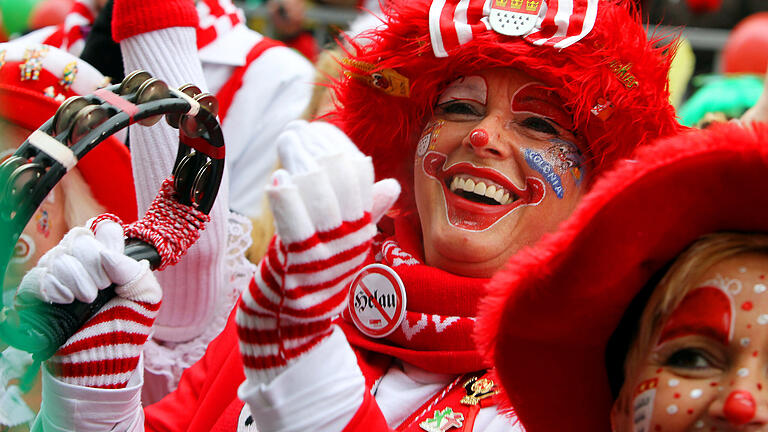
column 706, row 311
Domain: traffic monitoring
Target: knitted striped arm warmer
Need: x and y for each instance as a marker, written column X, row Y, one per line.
column 324, row 232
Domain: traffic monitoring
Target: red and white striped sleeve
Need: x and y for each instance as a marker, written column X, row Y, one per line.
column 324, row 234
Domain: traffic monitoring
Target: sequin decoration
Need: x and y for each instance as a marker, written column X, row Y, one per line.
column 68, row 77
column 33, row 63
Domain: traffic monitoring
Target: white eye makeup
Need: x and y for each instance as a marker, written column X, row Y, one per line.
column 470, row 88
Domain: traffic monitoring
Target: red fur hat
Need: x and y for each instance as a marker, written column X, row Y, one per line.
column 550, row 312
column 615, row 66
column 34, row 81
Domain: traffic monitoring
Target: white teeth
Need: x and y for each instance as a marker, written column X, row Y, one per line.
column 455, row 184
column 480, row 188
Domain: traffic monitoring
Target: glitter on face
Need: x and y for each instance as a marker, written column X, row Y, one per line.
column 696, row 393
column 760, row 288
column 672, row 409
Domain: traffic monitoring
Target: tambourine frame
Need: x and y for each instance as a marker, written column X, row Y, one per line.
column 34, row 330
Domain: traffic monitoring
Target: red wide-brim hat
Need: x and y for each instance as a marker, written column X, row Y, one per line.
column 34, row 81
column 550, row 312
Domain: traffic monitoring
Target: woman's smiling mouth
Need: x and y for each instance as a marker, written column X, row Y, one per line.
column 476, row 198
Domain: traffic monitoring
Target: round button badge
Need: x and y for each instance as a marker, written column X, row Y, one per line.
column 377, row 301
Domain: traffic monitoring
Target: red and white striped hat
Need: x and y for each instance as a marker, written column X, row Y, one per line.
column 34, row 81
column 594, row 54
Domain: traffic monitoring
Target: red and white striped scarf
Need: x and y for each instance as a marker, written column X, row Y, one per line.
column 436, row 333
column 560, row 23
column 216, row 17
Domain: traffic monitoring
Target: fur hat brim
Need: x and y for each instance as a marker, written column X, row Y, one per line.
column 551, row 311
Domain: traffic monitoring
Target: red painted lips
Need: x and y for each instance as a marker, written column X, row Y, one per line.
column 471, row 214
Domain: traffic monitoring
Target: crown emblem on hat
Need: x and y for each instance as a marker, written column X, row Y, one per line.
column 517, row 4
column 532, row 5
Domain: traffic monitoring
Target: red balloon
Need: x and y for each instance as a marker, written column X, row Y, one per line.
column 704, row 6
column 49, row 12
column 746, row 50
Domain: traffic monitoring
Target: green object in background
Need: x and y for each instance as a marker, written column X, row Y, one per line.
column 730, row 95
column 16, row 14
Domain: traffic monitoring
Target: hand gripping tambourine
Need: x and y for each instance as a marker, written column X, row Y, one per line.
column 78, row 126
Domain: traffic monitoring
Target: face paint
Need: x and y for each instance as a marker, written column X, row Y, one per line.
column 429, row 137
column 710, row 359
column 643, row 405
column 566, row 157
column 478, row 138
column 538, row 163
column 534, row 99
column 24, row 249
column 503, row 196
column 706, row 311
column 43, row 223
column 471, row 88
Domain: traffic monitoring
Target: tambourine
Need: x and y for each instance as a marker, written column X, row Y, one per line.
column 79, row 125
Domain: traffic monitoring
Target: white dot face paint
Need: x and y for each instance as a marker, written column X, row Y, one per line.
column 701, row 361
column 759, row 288
column 672, row 409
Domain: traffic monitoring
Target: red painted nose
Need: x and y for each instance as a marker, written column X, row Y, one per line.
column 478, row 138
column 739, row 407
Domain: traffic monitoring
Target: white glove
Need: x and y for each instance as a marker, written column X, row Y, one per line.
column 81, row 265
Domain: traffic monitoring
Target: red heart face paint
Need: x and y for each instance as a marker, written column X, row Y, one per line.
column 710, row 358
column 704, row 311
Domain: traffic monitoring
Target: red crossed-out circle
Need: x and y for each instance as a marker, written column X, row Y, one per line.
column 382, row 280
